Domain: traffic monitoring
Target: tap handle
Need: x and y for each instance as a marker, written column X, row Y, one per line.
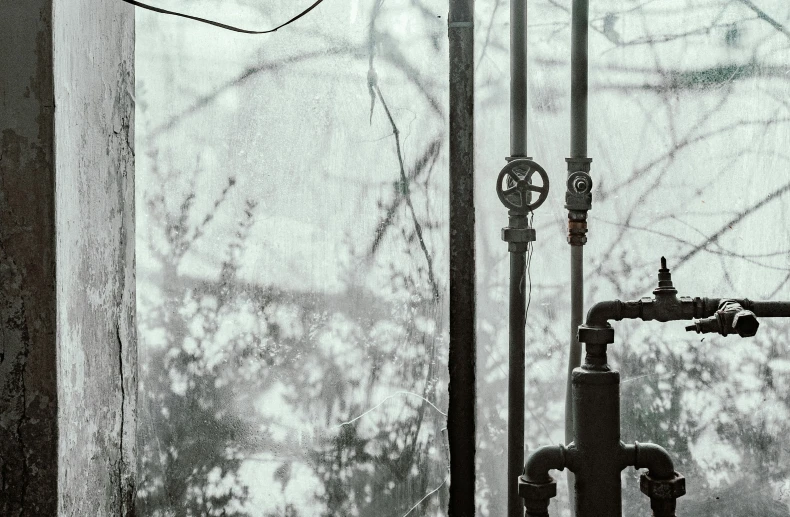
column 515, row 187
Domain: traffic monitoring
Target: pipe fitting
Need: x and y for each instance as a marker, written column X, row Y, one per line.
column 663, row 493
column 654, row 458
column 536, row 487
column 542, row 460
column 537, row 496
column 730, row 318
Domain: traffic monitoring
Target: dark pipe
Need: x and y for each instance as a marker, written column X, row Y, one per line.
column 542, row 460
column 518, row 78
column 654, row 458
column 577, row 222
column 664, row 308
column 518, row 148
column 515, row 394
column 579, row 23
column 600, row 313
column 770, row 309
column 462, row 354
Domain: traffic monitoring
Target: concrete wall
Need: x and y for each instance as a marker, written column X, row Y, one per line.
column 68, row 366
column 28, row 397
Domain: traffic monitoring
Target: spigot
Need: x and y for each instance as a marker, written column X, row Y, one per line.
column 730, row 318
column 665, row 286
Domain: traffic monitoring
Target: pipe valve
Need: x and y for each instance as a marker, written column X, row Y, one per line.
column 730, row 318
column 515, row 187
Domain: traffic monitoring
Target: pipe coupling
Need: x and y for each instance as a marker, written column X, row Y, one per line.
column 537, row 496
column 577, row 228
column 595, row 335
column 663, row 493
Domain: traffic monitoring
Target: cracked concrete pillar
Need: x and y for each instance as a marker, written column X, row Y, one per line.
column 67, row 298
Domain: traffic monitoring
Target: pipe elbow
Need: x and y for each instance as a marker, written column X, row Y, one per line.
column 600, row 313
column 654, row 458
column 542, row 460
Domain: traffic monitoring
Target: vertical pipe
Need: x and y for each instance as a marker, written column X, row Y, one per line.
column 518, row 78
column 579, row 22
column 515, row 394
column 461, row 410
column 518, row 148
column 597, row 431
column 578, row 150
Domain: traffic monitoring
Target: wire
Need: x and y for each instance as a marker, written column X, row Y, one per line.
column 218, row 24
column 530, row 249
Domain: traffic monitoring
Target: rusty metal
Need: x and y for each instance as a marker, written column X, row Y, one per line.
column 462, row 356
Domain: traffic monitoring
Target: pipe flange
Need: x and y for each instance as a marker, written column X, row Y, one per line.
column 595, row 335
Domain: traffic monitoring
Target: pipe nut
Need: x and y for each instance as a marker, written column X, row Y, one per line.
column 745, row 323
column 518, row 234
column 595, row 335
column 535, row 492
column 663, row 488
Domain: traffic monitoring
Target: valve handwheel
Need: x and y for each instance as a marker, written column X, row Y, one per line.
column 514, row 185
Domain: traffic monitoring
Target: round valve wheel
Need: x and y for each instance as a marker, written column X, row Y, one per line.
column 514, row 185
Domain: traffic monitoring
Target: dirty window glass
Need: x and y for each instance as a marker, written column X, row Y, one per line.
column 292, row 260
column 689, row 129
column 292, row 250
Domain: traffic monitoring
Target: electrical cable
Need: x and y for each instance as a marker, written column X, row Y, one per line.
column 218, row 24
column 530, row 249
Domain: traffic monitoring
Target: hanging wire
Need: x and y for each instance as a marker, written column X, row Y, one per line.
column 218, row 24
column 530, row 249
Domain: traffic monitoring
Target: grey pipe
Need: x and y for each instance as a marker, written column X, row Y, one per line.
column 578, row 150
column 518, row 78
column 575, row 352
column 580, row 13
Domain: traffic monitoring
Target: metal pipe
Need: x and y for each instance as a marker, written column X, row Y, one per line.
column 597, row 438
column 577, row 219
column 518, row 148
column 463, row 346
column 518, row 78
column 542, row 460
column 579, row 27
column 515, row 394
column 575, row 351
column 654, row 458
column 672, row 308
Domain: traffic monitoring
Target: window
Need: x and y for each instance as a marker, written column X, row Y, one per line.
column 293, row 234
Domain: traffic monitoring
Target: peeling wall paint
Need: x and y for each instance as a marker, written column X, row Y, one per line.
column 67, row 328
column 94, row 164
